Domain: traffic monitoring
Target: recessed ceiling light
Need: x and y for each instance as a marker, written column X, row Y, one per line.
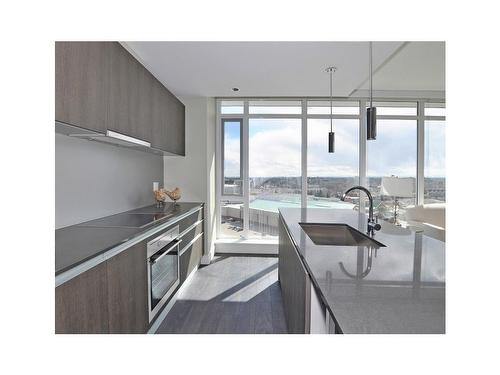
column 235, row 89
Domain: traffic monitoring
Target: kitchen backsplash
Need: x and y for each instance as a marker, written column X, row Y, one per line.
column 93, row 180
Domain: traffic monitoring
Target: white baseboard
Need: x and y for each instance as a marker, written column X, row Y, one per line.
column 246, row 247
column 207, row 259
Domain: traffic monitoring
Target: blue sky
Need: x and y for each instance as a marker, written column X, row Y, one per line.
column 275, row 146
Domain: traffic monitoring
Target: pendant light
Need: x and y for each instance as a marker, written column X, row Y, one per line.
column 331, row 134
column 371, row 112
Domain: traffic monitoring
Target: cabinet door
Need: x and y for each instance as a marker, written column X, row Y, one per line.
column 81, row 303
column 319, row 315
column 82, row 83
column 144, row 127
column 118, row 117
column 191, row 235
column 294, row 283
column 332, row 328
column 130, row 95
column 175, row 140
column 169, row 122
column 190, row 220
column 191, row 258
column 127, row 291
column 159, row 113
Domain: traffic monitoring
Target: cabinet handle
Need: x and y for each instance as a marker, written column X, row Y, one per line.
column 155, row 258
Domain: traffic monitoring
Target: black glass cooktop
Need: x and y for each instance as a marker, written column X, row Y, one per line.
column 126, row 220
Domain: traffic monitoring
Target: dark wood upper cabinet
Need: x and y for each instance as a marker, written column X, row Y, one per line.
column 82, row 83
column 100, row 86
column 121, row 80
column 160, row 117
column 130, row 100
column 176, row 133
column 144, row 114
column 169, row 119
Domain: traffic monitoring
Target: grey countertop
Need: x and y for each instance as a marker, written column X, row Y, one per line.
column 402, row 292
column 79, row 243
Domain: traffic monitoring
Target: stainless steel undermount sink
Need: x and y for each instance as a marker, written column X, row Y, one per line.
column 338, row 235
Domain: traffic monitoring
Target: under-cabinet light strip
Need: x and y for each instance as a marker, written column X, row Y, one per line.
column 127, row 138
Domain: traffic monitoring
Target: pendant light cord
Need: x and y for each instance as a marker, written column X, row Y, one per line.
column 371, row 77
column 331, row 100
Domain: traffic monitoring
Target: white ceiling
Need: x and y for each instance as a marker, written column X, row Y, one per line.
column 418, row 66
column 289, row 68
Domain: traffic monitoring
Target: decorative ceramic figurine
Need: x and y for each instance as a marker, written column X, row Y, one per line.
column 175, row 194
column 160, row 197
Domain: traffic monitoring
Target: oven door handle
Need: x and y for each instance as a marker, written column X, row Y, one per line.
column 160, row 254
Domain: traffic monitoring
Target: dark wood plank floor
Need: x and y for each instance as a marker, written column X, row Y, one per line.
column 234, row 294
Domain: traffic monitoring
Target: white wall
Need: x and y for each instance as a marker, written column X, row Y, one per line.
column 194, row 174
column 211, row 211
column 93, row 180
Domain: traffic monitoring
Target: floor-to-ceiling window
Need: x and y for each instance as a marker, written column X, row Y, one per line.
column 331, row 174
column 231, row 130
column 391, row 167
column 274, row 163
column 274, row 160
column 231, row 204
column 275, row 154
column 434, row 154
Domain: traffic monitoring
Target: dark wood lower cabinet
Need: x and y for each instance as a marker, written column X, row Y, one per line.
column 112, row 297
column 189, row 220
column 295, row 284
column 109, row 298
column 128, row 291
column 191, row 258
column 81, row 303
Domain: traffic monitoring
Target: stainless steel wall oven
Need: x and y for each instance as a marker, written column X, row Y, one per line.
column 163, row 269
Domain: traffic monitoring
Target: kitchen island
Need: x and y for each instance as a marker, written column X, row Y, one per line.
column 395, row 288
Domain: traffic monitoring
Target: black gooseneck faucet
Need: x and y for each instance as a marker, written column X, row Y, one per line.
column 373, row 225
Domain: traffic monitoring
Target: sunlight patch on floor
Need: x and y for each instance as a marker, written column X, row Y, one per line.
column 215, row 281
column 253, row 289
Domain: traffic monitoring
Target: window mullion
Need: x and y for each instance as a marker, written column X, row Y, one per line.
column 420, row 151
column 219, row 167
column 246, row 177
column 362, row 151
column 304, row 155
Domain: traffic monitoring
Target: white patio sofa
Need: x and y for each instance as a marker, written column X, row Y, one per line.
column 430, row 217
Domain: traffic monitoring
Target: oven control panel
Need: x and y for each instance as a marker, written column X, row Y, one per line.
column 162, row 240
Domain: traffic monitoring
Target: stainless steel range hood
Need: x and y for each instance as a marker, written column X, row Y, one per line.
column 110, row 137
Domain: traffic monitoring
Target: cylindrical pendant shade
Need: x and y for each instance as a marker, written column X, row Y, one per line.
column 371, row 123
column 331, row 142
